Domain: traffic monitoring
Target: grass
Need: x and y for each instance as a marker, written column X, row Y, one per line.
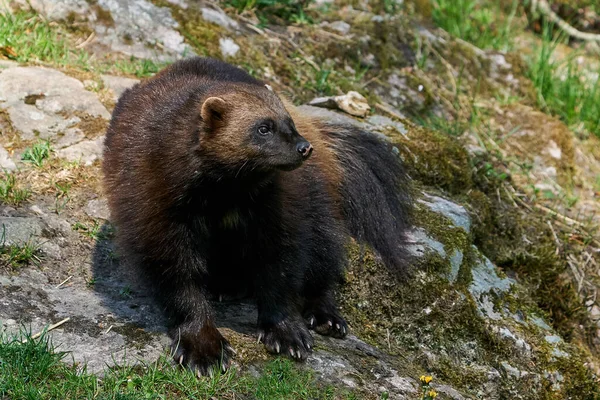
column 138, row 67
column 38, row 153
column 35, row 370
column 484, row 26
column 18, row 255
column 10, row 193
column 562, row 89
column 26, row 37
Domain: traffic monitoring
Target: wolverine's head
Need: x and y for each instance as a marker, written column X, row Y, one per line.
column 248, row 125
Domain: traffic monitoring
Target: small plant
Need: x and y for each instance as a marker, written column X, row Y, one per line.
column 38, row 153
column 10, row 193
column 90, row 230
column 427, row 393
column 62, row 196
column 18, row 255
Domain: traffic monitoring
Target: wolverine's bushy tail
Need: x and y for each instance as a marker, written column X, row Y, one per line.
column 375, row 192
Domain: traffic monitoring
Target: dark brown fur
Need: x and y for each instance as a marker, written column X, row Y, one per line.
column 205, row 201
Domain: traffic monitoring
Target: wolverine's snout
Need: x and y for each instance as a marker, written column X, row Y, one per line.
column 305, row 149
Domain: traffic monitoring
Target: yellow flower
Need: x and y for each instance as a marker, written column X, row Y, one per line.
column 426, row 379
column 432, row 394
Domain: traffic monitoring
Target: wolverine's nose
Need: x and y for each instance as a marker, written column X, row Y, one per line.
column 305, row 149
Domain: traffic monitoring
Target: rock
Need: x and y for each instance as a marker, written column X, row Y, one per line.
column 6, row 163
column 37, row 100
column 458, row 214
column 228, row 47
column 118, row 84
column 331, row 116
column 218, row 17
column 339, row 26
column 179, row 3
column 485, row 277
column 20, row 230
column 8, row 64
column 420, row 243
column 352, row 103
column 85, row 152
column 97, row 208
column 455, row 263
column 380, row 121
column 144, row 25
column 133, row 27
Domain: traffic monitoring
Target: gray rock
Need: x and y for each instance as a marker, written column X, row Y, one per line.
column 420, row 243
column 97, row 208
column 8, row 64
column 179, row 3
column 85, row 152
column 228, row 47
column 6, row 163
column 340, row 26
column 144, row 26
column 456, row 260
column 20, row 230
column 218, row 17
column 553, row 339
column 485, row 277
column 456, row 213
column 330, row 116
column 118, row 84
column 138, row 27
column 380, row 121
column 512, row 371
column 35, row 99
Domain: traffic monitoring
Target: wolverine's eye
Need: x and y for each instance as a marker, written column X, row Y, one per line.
column 264, row 130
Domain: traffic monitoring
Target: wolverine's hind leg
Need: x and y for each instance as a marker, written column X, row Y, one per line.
column 322, row 316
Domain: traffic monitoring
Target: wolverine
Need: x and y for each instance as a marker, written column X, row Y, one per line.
column 218, row 186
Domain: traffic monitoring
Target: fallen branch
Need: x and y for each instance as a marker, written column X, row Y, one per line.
column 544, row 8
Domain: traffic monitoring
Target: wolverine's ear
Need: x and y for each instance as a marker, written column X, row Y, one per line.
column 213, row 111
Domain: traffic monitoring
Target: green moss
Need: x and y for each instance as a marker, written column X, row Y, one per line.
column 435, row 159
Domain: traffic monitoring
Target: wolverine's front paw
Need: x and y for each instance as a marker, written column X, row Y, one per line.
column 201, row 348
column 289, row 337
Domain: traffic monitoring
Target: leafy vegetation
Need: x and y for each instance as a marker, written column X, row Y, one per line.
column 32, row 369
column 37, row 153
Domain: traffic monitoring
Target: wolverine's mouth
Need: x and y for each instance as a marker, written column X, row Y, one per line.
column 289, row 166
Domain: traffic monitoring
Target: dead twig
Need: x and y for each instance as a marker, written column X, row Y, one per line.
column 63, row 282
column 86, row 41
column 51, row 327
